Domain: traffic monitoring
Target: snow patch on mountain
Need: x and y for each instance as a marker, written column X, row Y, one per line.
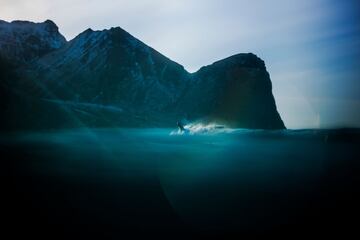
column 24, row 41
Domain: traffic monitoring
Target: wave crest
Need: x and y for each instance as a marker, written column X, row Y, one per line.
column 201, row 128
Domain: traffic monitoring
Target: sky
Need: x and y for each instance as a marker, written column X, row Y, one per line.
column 311, row 48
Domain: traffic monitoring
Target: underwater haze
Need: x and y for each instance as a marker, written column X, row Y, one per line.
column 108, row 182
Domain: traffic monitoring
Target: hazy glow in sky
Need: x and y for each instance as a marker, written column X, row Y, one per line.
column 311, row 47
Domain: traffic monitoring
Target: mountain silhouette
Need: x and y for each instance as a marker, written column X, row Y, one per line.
column 111, row 79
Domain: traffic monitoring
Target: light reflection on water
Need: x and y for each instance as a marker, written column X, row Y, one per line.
column 206, row 178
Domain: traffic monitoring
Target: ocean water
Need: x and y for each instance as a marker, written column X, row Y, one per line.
column 103, row 182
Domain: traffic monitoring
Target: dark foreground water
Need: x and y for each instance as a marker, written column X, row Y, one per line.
column 108, row 183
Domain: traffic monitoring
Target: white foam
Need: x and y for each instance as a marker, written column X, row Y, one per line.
column 201, row 128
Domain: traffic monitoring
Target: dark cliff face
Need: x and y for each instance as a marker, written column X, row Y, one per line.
column 236, row 91
column 111, row 79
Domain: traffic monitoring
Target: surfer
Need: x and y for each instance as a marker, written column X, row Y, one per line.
column 181, row 127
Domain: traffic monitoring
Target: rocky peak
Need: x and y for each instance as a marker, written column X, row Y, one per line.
column 24, row 41
column 243, row 60
column 51, row 26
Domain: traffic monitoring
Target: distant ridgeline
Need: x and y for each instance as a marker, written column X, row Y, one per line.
column 111, row 79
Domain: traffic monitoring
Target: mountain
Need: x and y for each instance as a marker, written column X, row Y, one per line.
column 111, row 79
column 237, row 91
column 24, row 41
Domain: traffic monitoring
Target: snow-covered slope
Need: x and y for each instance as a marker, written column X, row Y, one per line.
column 111, row 67
column 23, row 41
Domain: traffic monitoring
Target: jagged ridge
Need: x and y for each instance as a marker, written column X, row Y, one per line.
column 23, row 41
column 113, row 70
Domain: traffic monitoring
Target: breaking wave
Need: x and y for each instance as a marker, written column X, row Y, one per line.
column 201, row 128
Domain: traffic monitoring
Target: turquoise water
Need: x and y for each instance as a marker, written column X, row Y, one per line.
column 238, row 179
